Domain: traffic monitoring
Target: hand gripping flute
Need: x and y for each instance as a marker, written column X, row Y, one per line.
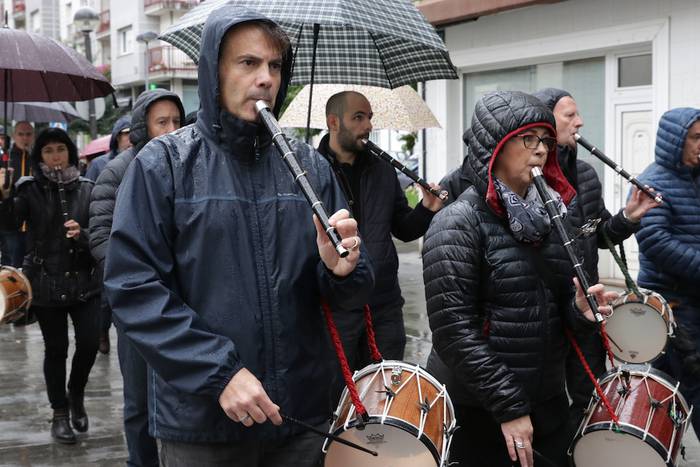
column 554, row 215
column 285, row 150
column 377, row 152
column 611, row 163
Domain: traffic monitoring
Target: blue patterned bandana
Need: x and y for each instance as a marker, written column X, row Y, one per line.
column 527, row 218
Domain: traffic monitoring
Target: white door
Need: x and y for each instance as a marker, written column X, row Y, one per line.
column 635, row 137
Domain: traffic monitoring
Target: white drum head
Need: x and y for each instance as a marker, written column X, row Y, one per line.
column 639, row 330
column 608, row 448
column 3, row 303
column 396, row 448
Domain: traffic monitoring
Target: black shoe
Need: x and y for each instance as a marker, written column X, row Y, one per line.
column 60, row 428
column 78, row 415
column 104, row 343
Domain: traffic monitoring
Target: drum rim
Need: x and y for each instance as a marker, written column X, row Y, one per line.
column 398, row 423
column 627, row 429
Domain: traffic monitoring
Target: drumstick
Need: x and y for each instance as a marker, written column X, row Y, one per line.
column 328, row 435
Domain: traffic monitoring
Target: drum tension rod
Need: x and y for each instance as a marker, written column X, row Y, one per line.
column 424, row 406
column 388, row 392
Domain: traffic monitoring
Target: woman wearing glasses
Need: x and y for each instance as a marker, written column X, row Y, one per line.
column 499, row 292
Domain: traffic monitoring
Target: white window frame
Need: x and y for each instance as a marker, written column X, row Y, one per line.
column 122, row 36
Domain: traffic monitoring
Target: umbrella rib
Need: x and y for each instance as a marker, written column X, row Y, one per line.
column 386, row 72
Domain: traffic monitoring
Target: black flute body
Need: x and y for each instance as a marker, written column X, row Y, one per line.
column 287, row 154
column 555, row 216
column 377, row 152
column 62, row 193
column 617, row 168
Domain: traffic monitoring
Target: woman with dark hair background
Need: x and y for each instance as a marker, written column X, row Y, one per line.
column 54, row 203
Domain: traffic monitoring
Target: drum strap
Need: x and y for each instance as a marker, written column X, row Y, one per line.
column 343, row 360
column 371, row 338
column 621, row 261
column 590, row 374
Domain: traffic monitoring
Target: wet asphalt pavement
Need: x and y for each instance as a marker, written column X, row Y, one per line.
column 24, row 411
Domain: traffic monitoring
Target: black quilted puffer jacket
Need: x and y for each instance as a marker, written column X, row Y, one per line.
column 498, row 307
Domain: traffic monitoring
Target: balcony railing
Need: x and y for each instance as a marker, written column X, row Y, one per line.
column 18, row 7
column 104, row 22
column 167, row 58
column 171, row 4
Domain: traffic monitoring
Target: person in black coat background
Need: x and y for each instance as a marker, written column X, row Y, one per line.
column 61, row 271
column 379, row 205
column 156, row 112
column 587, row 206
column 499, row 291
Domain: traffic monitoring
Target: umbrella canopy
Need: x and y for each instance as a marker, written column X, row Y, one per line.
column 40, row 111
column 398, row 109
column 386, row 44
column 37, row 68
column 96, row 147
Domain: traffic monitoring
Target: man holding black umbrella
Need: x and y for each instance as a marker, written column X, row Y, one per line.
column 215, row 271
column 11, row 236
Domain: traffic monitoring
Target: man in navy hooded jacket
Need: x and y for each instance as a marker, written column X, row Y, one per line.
column 215, row 270
column 669, row 242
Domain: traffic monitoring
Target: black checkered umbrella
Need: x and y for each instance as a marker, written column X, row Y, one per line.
column 384, row 43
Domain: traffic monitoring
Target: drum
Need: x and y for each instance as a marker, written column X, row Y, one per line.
column 653, row 416
column 411, row 419
column 639, row 329
column 15, row 294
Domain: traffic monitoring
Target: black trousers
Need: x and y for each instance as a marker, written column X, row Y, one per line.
column 479, row 442
column 578, row 384
column 303, row 450
column 53, row 322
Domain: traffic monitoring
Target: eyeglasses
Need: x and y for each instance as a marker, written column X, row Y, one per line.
column 533, row 141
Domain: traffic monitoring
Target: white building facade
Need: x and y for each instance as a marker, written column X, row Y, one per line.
column 625, row 62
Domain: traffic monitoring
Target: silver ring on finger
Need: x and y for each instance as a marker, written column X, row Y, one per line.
column 243, row 419
column 355, row 245
column 519, row 444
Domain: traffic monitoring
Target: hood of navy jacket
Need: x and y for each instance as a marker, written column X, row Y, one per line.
column 670, row 138
column 138, row 135
column 213, row 121
column 121, row 124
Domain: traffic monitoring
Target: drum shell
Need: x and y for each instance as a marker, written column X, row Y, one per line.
column 16, row 294
column 404, row 411
column 634, row 408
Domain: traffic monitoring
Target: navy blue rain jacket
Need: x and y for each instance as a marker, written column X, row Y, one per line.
column 213, row 266
column 669, row 240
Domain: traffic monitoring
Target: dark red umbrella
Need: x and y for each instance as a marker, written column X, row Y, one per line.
column 37, row 68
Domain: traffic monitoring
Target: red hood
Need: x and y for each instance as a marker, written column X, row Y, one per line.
column 552, row 172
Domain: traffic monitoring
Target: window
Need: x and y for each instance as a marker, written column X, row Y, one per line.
column 584, row 79
column 634, row 71
column 125, row 39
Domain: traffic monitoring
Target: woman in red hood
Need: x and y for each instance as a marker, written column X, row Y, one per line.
column 499, row 292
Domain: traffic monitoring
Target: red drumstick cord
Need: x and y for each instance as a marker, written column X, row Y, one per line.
column 598, row 389
column 343, row 360
column 371, row 339
column 606, row 344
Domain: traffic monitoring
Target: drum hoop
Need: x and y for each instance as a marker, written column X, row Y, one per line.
column 395, row 422
column 631, row 430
